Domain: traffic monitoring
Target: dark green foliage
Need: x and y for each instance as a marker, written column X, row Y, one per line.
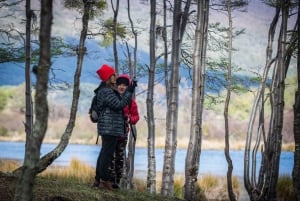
column 97, row 6
column 108, row 27
column 11, row 54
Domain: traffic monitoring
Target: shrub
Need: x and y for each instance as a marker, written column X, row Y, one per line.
column 3, row 98
column 3, row 131
column 285, row 190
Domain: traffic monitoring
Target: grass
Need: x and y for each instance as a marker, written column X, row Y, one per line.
column 69, row 183
column 285, row 189
column 74, row 183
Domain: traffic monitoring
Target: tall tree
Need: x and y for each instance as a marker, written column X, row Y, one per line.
column 231, row 194
column 29, row 104
column 48, row 159
column 151, row 175
column 34, row 139
column 296, row 168
column 229, row 6
column 32, row 163
column 199, row 71
column 129, row 166
column 179, row 24
column 265, row 187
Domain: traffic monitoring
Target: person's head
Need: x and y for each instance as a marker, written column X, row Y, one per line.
column 107, row 74
column 122, row 82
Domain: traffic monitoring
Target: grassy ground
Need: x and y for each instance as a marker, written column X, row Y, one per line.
column 73, row 183
column 60, row 189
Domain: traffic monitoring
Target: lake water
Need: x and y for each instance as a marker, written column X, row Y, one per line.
column 211, row 161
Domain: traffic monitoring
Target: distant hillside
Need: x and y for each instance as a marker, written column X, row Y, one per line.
column 63, row 67
column 12, row 117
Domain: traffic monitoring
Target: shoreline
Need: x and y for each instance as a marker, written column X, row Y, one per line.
column 181, row 144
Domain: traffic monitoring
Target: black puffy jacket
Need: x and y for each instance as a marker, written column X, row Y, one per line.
column 110, row 105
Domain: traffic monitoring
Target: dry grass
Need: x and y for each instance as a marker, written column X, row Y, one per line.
column 7, row 165
column 79, row 172
column 216, row 187
column 212, row 187
column 285, row 190
column 76, row 171
column 68, row 184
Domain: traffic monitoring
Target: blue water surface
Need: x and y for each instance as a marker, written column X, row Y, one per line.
column 211, row 161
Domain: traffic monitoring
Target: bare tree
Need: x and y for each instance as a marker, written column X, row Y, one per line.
column 296, row 169
column 199, row 71
column 151, row 175
column 129, row 162
column 265, row 187
column 179, row 23
column 29, row 104
column 81, row 50
column 32, row 162
column 231, row 194
column 229, row 6
column 34, row 138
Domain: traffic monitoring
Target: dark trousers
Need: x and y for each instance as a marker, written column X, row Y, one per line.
column 105, row 157
column 116, row 167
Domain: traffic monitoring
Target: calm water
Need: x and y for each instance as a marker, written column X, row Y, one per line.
column 211, row 161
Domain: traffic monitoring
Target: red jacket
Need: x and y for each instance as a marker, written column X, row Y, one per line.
column 132, row 115
column 131, row 112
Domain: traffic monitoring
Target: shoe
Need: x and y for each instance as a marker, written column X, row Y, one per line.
column 105, row 185
column 96, row 184
column 115, row 186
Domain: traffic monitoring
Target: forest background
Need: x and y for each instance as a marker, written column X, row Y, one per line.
column 249, row 58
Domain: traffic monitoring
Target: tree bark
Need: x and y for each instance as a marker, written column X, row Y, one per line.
column 115, row 29
column 151, row 174
column 231, row 194
column 179, row 24
column 255, row 190
column 24, row 190
column 296, row 168
column 129, row 166
column 199, row 71
column 50, row 157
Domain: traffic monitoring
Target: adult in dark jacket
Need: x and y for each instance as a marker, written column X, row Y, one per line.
column 110, row 125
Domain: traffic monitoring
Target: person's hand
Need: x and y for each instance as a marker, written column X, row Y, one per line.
column 134, row 82
column 132, row 86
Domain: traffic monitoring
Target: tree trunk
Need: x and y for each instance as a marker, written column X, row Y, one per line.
column 255, row 190
column 273, row 149
column 199, row 71
column 129, row 166
column 231, row 194
column 151, row 175
column 265, row 188
column 49, row 158
column 29, row 104
column 179, row 24
column 24, row 190
column 115, row 24
column 296, row 169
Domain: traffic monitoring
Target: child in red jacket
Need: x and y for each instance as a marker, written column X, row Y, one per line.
column 131, row 116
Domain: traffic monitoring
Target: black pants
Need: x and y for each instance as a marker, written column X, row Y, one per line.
column 116, row 167
column 105, row 157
